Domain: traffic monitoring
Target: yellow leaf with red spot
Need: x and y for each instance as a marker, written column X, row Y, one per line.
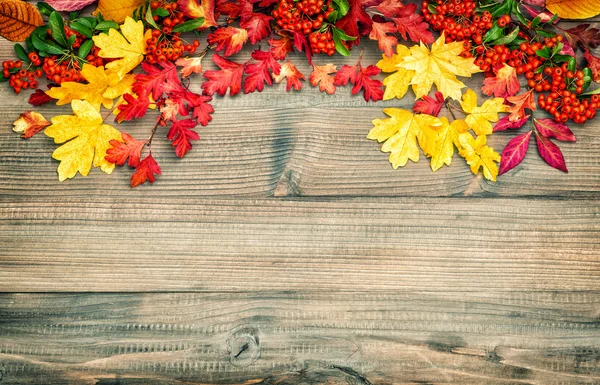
column 29, row 124
column 194, row 9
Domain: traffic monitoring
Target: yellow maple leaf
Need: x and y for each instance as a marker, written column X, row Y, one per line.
column 440, row 66
column 479, row 118
column 86, row 139
column 102, row 88
column 403, row 133
column 129, row 46
column 447, row 139
column 396, row 84
column 117, row 10
column 479, row 155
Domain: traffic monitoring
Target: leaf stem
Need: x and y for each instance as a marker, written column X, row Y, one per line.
column 149, row 140
column 114, row 107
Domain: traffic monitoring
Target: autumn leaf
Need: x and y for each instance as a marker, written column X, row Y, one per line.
column 574, row 9
column 39, row 98
column 361, row 78
column 440, row 66
column 86, row 139
column 506, row 124
column 145, row 171
column 478, row 155
column 229, row 39
column 181, row 135
column 117, row 10
column 504, row 84
column 229, row 77
column 390, row 8
column 69, row 5
column 292, row 75
column 520, row 103
column 447, row 140
column 29, row 124
column 281, row 47
column 411, row 24
column 593, row 64
column 553, row 129
column 194, row 9
column 157, row 79
column 102, row 87
column 133, row 107
column 257, row 24
column 18, row 19
column 190, row 65
column 356, row 22
column 514, row 152
column 428, row 105
column 321, row 77
column 379, row 33
column 550, row 152
column 396, row 84
column 129, row 150
column 258, row 73
column 128, row 46
column 403, row 133
column 480, row 119
column 584, row 35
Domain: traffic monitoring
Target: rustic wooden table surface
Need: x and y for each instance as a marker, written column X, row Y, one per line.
column 284, row 249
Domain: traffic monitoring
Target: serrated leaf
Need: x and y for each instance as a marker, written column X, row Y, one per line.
column 480, row 119
column 117, row 10
column 18, row 19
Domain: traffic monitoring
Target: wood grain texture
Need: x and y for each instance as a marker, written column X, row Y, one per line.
column 540, row 337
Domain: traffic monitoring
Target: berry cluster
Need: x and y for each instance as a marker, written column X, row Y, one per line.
column 19, row 78
column 164, row 44
column 458, row 20
column 307, row 17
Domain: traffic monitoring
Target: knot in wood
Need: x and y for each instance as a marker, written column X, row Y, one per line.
column 243, row 346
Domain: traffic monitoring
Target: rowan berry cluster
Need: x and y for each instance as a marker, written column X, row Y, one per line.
column 458, row 20
column 306, row 17
column 19, row 78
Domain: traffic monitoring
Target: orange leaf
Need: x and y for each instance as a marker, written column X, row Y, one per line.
column 29, row 124
column 18, row 19
column 520, row 103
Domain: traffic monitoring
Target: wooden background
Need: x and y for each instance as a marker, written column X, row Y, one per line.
column 284, row 249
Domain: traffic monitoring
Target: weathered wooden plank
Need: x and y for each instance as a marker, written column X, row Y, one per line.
column 138, row 244
column 537, row 337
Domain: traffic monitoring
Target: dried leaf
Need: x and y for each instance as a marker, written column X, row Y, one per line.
column 29, row 124
column 145, row 171
column 18, row 19
column 553, row 129
column 129, row 150
column 520, row 103
column 504, row 84
column 447, row 140
column 396, row 84
column 292, row 76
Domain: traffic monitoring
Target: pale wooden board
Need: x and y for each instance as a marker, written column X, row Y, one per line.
column 539, row 337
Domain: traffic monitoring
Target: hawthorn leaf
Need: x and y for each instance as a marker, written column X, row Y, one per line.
column 478, row 155
column 356, row 22
column 257, row 24
column 85, row 140
column 480, row 119
column 190, row 65
column 181, row 135
column 504, row 84
column 514, row 152
column 157, row 80
column 361, row 79
column 29, row 124
column 258, row 73
column 132, row 107
column 411, row 25
column 228, row 39
column 428, row 105
column 440, row 66
column 292, row 76
column 145, row 171
column 229, row 77
column 39, row 97
column 281, row 47
column 379, row 33
column 403, row 133
column 321, row 77
column 583, row 35
column 594, row 65
column 550, row 152
column 520, row 103
column 129, row 150
column 390, row 8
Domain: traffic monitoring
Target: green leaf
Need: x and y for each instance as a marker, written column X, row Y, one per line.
column 45, row 8
column 535, row 22
column 343, row 6
column 508, row 38
column 572, row 66
column 593, row 92
column 73, row 15
column 21, row 53
column 587, row 77
column 160, row 12
column 545, row 53
column 149, row 18
column 503, row 8
column 342, row 35
column 189, row 25
column 432, row 9
column 46, row 47
column 82, row 29
column 561, row 58
column 339, row 46
column 85, row 49
column 57, row 28
column 106, row 25
column 543, row 33
column 333, row 17
column 493, row 34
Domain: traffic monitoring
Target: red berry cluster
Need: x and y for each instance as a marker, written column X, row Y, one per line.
column 321, row 42
column 164, row 44
column 458, row 20
column 19, row 78
column 563, row 102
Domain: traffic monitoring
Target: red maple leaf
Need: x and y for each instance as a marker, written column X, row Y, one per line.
column 411, row 23
column 281, row 47
column 156, row 80
column 258, row 73
column 230, row 76
column 257, row 25
column 593, row 64
column 429, row 105
column 194, row 9
column 390, row 8
column 145, row 171
column 130, row 149
column 292, row 76
column 133, row 108
column 230, row 39
column 320, row 76
column 181, row 134
column 360, row 77
column 386, row 43
column 40, row 97
column 356, row 22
